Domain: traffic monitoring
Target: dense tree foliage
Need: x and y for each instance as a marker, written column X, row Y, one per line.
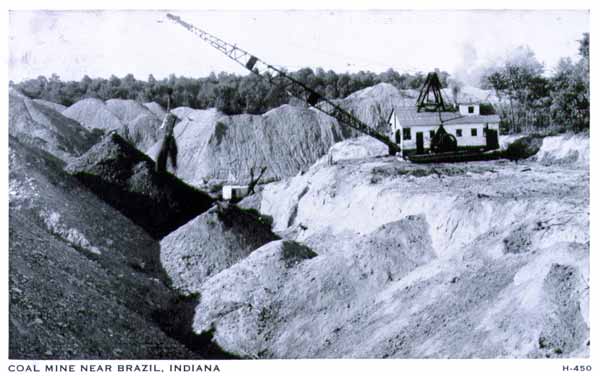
column 570, row 94
column 532, row 102
column 230, row 93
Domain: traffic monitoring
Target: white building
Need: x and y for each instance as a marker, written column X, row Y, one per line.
column 232, row 192
column 467, row 125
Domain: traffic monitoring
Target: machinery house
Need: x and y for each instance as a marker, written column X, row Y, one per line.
column 414, row 130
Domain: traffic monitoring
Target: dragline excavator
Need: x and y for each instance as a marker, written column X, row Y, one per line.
column 276, row 76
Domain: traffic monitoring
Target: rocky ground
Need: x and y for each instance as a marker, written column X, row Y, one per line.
column 487, row 259
column 85, row 281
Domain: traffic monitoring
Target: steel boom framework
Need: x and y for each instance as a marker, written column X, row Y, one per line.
column 294, row 87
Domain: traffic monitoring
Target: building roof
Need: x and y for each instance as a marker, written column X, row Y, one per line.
column 409, row 117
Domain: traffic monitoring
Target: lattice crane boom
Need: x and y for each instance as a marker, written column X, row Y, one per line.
column 294, row 87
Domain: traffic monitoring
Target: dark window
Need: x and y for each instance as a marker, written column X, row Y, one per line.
column 431, row 134
column 459, row 133
column 473, row 131
column 406, row 133
column 471, row 109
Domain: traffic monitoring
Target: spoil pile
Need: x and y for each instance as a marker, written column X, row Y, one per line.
column 40, row 126
column 211, row 242
column 572, row 149
column 140, row 125
column 374, row 104
column 414, row 262
column 126, row 179
column 286, row 140
column 84, row 281
column 53, row 106
column 156, row 109
column 136, row 123
column 93, row 113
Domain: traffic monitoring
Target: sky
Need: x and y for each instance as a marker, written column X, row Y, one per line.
column 101, row 43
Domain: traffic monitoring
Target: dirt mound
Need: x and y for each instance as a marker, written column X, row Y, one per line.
column 523, row 148
column 140, row 125
column 136, row 123
column 357, row 148
column 571, row 149
column 214, row 146
column 85, row 281
column 53, row 106
column 156, row 109
column 143, row 131
column 126, row 109
column 374, row 104
column 337, row 283
column 93, row 113
column 125, row 178
column 40, row 126
column 287, row 139
column 416, row 263
column 212, row 242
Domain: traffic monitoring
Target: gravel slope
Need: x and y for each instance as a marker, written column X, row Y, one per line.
column 211, row 242
column 135, row 122
column 39, row 125
column 85, row 282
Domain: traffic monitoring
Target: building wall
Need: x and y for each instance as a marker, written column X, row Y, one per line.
column 465, row 140
column 464, row 109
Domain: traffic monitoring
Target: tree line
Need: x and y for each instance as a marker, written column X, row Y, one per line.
column 533, row 102
column 530, row 100
column 228, row 92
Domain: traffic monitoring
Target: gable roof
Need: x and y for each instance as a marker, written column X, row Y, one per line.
column 409, row 117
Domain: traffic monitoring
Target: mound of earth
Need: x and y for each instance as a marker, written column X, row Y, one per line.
column 214, row 146
column 523, row 147
column 357, row 148
column 573, row 149
column 413, row 261
column 211, row 242
column 126, row 178
column 140, row 124
column 156, row 109
column 37, row 124
column 132, row 120
column 284, row 288
column 373, row 105
column 93, row 113
column 288, row 139
column 85, row 282
column 53, row 106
